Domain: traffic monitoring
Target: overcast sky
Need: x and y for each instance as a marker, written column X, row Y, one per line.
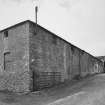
column 81, row 22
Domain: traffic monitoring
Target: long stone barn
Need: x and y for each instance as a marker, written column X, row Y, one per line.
column 33, row 58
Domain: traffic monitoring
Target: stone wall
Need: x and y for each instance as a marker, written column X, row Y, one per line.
column 32, row 58
column 51, row 55
column 15, row 76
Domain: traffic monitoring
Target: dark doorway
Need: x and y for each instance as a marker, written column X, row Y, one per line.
column 104, row 66
column 35, row 77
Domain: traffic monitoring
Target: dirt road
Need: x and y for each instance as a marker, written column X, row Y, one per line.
column 89, row 91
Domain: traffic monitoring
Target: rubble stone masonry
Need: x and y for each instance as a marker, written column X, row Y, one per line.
column 32, row 58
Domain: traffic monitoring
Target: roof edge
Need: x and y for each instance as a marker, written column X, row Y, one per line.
column 50, row 33
column 22, row 22
column 65, row 40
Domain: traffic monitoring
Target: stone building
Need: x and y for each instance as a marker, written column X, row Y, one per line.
column 102, row 58
column 32, row 58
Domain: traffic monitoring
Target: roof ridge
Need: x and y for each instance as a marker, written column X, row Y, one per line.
column 22, row 22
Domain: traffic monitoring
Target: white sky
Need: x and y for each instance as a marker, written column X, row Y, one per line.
column 81, row 22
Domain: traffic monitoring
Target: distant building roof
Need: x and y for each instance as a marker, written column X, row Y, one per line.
column 102, row 58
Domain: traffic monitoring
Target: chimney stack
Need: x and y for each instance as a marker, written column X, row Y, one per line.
column 36, row 11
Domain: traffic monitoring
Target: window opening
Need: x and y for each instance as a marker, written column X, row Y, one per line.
column 54, row 39
column 6, row 34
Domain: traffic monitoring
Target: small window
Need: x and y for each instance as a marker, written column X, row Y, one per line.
column 72, row 49
column 54, row 39
column 6, row 34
